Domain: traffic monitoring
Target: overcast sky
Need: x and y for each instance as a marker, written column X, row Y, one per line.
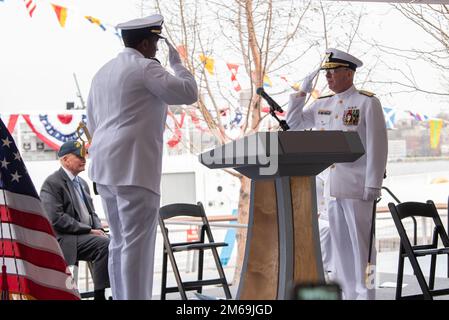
column 38, row 57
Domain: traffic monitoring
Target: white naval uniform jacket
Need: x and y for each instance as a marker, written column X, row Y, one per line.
column 351, row 110
column 126, row 113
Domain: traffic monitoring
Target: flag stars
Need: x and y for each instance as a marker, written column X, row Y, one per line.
column 16, row 155
column 15, row 177
column 6, row 142
column 5, row 163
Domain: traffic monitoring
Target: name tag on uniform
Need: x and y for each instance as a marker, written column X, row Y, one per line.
column 351, row 116
column 324, row 112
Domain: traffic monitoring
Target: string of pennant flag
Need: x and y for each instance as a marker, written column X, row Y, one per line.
column 55, row 129
column 209, row 63
column 391, row 117
column 62, row 13
column 435, row 124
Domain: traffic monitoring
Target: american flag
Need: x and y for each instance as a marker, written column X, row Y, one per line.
column 31, row 6
column 32, row 264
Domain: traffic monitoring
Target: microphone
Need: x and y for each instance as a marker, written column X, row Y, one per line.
column 274, row 107
column 261, row 92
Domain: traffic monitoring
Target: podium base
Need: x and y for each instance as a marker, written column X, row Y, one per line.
column 283, row 244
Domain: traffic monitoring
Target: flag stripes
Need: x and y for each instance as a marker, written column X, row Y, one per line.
column 32, row 263
column 20, row 284
column 31, row 238
column 25, row 220
column 37, row 257
column 49, row 278
column 21, row 202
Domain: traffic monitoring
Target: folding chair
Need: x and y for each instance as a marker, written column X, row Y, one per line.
column 191, row 210
column 412, row 252
column 415, row 224
column 75, row 276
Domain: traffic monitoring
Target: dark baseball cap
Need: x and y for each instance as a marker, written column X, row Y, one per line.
column 73, row 146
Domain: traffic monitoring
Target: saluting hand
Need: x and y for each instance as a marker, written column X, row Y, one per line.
column 307, row 84
column 173, row 54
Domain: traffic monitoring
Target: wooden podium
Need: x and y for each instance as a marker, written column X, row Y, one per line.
column 283, row 243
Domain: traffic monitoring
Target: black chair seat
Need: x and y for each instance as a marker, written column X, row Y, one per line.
column 196, row 246
column 87, row 294
column 195, row 285
column 426, row 252
column 414, row 210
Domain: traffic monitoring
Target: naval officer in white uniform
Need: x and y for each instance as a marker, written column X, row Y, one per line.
column 127, row 109
column 353, row 186
column 322, row 198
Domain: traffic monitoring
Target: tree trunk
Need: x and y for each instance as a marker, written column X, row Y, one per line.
column 243, row 213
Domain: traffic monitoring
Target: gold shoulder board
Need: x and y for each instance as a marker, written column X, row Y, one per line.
column 328, row 96
column 367, row 93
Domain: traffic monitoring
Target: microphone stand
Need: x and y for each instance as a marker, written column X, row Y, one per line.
column 282, row 123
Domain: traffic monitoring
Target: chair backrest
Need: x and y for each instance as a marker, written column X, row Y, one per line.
column 418, row 209
column 182, row 209
column 189, row 210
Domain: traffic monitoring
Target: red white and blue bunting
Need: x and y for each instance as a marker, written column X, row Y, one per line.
column 55, row 129
column 10, row 120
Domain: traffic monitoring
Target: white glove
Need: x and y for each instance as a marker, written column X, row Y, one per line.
column 371, row 194
column 307, row 84
column 173, row 54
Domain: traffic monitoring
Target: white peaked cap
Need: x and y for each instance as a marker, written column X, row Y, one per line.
column 336, row 58
column 154, row 22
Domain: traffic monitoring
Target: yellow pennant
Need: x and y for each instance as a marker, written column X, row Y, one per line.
column 435, row 132
column 267, row 81
column 208, row 63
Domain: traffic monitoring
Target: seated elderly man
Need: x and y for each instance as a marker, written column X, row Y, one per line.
column 67, row 202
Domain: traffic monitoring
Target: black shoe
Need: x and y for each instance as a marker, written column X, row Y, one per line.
column 99, row 295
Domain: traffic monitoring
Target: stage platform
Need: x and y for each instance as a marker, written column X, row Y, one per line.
column 385, row 288
column 385, row 281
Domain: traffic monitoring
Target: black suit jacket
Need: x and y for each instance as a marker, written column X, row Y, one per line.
column 58, row 198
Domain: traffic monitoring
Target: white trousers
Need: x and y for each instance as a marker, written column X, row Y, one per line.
column 326, row 244
column 350, row 227
column 132, row 214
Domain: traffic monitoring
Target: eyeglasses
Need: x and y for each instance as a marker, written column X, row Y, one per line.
column 333, row 71
column 154, row 38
